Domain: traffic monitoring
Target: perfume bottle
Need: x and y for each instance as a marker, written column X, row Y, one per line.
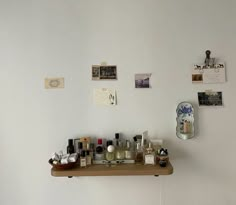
column 99, row 155
column 88, row 158
column 92, row 151
column 128, row 150
column 110, row 154
column 83, row 159
column 139, row 154
column 120, row 152
column 80, row 148
column 149, row 155
column 70, row 147
column 116, row 140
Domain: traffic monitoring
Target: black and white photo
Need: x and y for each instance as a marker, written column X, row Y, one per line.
column 107, row 72
column 210, row 99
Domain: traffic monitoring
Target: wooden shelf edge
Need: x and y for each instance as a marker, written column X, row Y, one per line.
column 118, row 170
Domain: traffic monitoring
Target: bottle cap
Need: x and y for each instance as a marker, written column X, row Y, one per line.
column 99, row 141
column 70, row 141
column 110, row 148
column 117, row 136
column 135, row 138
column 109, row 142
column 87, row 152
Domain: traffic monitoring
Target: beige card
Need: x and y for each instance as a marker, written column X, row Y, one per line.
column 54, row 83
column 104, row 96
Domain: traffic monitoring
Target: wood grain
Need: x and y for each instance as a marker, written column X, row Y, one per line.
column 116, row 170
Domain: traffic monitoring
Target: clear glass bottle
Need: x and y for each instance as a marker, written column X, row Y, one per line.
column 120, row 152
column 80, row 148
column 83, row 159
column 128, row 150
column 149, row 155
column 92, row 151
column 110, row 153
column 116, row 140
column 99, row 155
column 139, row 154
column 88, row 158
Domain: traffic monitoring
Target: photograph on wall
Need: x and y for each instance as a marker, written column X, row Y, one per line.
column 208, row 74
column 104, row 72
column 210, row 98
column 54, row 83
column 104, row 96
column 142, row 80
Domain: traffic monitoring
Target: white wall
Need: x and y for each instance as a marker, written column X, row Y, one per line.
column 50, row 38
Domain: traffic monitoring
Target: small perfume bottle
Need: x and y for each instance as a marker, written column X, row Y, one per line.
column 120, row 152
column 99, row 155
column 80, row 148
column 83, row 159
column 128, row 150
column 70, row 147
column 88, row 158
column 110, row 154
column 149, row 155
column 139, row 154
column 92, row 151
column 116, row 140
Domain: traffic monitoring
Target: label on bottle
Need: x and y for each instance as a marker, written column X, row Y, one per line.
column 82, row 162
column 88, row 160
column 149, row 159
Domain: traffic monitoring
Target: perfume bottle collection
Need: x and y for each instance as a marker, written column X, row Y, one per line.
column 86, row 152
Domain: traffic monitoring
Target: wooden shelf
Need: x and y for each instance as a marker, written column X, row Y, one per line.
column 115, row 170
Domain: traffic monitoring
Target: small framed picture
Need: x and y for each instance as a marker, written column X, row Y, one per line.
column 142, row 80
column 210, row 98
column 104, row 72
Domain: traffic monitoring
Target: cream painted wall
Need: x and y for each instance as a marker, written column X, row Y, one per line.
column 50, row 38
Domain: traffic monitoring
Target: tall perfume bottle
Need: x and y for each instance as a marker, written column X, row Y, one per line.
column 110, row 154
column 139, row 154
column 83, row 159
column 88, row 158
column 99, row 155
column 120, row 152
column 70, row 147
column 128, row 150
column 116, row 140
column 149, row 155
column 80, row 148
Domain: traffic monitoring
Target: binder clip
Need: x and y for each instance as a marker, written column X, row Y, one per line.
column 209, row 62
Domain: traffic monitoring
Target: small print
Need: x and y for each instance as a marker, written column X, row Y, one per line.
column 104, row 96
column 208, row 74
column 210, row 98
column 142, row 80
column 54, row 83
column 106, row 72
